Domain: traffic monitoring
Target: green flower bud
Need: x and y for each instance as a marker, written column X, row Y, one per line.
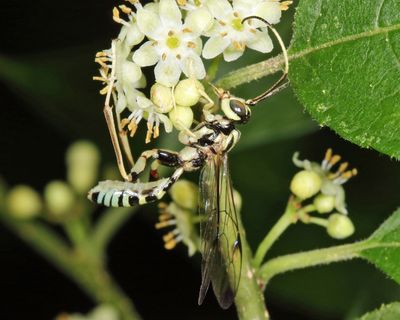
column 305, row 184
column 162, row 97
column 340, row 226
column 181, row 117
column 82, row 160
column 185, row 194
column 59, row 197
column 187, row 92
column 23, row 202
column 324, row 203
column 104, row 312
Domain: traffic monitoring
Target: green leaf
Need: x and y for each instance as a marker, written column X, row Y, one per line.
column 385, row 312
column 345, row 68
column 384, row 246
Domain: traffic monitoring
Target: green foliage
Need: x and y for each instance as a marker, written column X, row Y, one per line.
column 345, row 68
column 385, row 243
column 385, row 312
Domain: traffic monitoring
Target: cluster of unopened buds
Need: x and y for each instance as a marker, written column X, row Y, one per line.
column 177, row 38
column 316, row 182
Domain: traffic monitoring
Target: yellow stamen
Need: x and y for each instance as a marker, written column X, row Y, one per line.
column 170, row 244
column 187, row 30
column 125, row 9
column 168, row 237
column 285, row 5
column 156, row 132
column 335, row 159
column 99, row 79
column 191, row 45
column 164, row 56
column 224, row 34
column 116, row 16
column 328, row 155
column 132, row 126
column 182, row 2
column 104, row 91
column 162, row 224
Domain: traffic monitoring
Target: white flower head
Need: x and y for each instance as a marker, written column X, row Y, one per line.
column 230, row 36
column 331, row 181
column 148, row 110
column 173, row 46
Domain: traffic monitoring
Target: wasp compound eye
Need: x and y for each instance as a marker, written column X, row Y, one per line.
column 240, row 109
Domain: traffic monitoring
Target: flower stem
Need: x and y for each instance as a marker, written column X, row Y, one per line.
column 86, row 269
column 311, row 258
column 281, row 225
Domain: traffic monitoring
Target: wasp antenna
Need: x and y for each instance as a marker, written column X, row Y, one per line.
column 278, row 84
column 218, row 91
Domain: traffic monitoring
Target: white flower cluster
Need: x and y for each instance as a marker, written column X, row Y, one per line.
column 169, row 35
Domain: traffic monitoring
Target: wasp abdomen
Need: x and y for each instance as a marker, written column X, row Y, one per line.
column 126, row 194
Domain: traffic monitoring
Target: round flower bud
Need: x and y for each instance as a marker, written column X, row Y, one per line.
column 23, row 202
column 185, row 194
column 324, row 203
column 162, row 97
column 82, row 160
column 59, row 197
column 339, row 226
column 181, row 117
column 305, row 184
column 187, row 92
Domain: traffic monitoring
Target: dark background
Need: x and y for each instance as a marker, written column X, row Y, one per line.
column 48, row 100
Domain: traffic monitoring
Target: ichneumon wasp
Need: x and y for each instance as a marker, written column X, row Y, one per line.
column 206, row 147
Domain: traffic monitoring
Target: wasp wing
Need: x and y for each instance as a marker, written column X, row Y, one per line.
column 221, row 245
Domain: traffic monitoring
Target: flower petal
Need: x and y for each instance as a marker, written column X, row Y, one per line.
column 167, row 72
column 220, row 9
column 262, row 42
column 232, row 54
column 169, row 13
column 167, row 123
column 133, row 35
column 199, row 20
column 193, row 67
column 270, row 11
column 143, row 102
column 149, row 23
column 146, row 55
column 215, row 46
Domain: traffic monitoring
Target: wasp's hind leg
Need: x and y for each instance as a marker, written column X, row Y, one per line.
column 161, row 157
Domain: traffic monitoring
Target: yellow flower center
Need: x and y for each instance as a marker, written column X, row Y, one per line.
column 237, row 24
column 173, row 42
column 197, row 3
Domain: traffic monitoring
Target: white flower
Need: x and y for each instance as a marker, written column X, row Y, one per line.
column 147, row 109
column 331, row 181
column 230, row 37
column 175, row 47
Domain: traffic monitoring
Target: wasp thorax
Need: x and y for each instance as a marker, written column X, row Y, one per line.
column 236, row 109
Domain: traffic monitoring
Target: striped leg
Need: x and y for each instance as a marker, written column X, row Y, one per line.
column 162, row 157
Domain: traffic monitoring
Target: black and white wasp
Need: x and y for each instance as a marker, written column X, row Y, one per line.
column 206, row 147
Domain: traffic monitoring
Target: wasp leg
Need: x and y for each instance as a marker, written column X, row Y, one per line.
column 108, row 114
column 162, row 157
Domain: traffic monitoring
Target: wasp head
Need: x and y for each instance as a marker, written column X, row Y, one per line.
column 235, row 109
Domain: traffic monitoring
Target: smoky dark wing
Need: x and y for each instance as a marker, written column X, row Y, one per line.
column 221, row 244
